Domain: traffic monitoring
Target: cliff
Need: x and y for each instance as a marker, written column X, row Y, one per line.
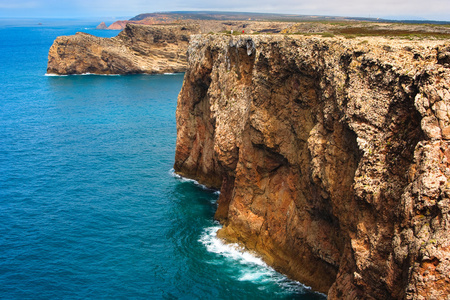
column 137, row 49
column 332, row 156
column 119, row 25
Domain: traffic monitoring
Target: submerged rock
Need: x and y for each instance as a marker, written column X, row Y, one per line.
column 332, row 156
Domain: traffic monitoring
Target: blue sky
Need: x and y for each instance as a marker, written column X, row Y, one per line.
column 122, row 9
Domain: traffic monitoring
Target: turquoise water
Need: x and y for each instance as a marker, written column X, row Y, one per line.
column 89, row 206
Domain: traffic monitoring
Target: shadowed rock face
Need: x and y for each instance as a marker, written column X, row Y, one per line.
column 332, row 157
column 137, row 49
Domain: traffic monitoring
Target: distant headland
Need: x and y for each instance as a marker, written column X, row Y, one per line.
column 180, row 16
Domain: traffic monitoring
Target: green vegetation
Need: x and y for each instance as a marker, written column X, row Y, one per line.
column 235, row 32
column 403, row 33
column 327, row 34
column 353, row 29
column 351, row 33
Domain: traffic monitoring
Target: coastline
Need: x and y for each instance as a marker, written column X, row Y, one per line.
column 326, row 149
column 303, row 132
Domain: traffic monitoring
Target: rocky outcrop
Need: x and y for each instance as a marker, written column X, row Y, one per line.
column 137, row 49
column 102, row 26
column 332, row 156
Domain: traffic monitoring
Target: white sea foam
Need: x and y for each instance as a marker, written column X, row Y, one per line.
column 82, row 74
column 234, row 251
column 93, row 74
column 256, row 276
column 246, row 265
column 250, row 267
column 54, row 75
column 184, row 179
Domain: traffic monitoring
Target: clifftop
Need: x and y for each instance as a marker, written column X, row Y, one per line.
column 162, row 48
column 332, row 156
column 183, row 16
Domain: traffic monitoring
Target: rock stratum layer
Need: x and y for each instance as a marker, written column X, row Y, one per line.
column 332, row 157
column 137, row 49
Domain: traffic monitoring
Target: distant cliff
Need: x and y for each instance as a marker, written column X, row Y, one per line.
column 137, row 49
column 332, row 156
column 101, row 26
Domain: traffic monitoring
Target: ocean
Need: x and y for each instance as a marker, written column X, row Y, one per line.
column 89, row 205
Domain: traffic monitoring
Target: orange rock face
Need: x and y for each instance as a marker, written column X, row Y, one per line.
column 118, row 25
column 332, row 157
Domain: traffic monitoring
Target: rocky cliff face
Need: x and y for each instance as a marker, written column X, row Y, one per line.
column 137, row 49
column 332, row 157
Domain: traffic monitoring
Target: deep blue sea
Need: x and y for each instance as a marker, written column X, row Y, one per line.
column 89, row 206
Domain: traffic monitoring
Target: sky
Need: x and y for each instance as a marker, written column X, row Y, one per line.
column 123, row 9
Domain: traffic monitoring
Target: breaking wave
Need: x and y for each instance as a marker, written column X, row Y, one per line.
column 250, row 267
column 83, row 74
column 195, row 182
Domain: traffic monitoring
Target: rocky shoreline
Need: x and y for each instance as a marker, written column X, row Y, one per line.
column 331, row 153
column 332, row 156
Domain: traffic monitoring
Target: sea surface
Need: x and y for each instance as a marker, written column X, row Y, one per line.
column 89, row 205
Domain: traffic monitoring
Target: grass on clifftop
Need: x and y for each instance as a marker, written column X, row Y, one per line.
column 350, row 29
column 355, row 32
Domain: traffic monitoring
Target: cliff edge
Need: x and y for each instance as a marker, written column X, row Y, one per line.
column 137, row 49
column 332, row 156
